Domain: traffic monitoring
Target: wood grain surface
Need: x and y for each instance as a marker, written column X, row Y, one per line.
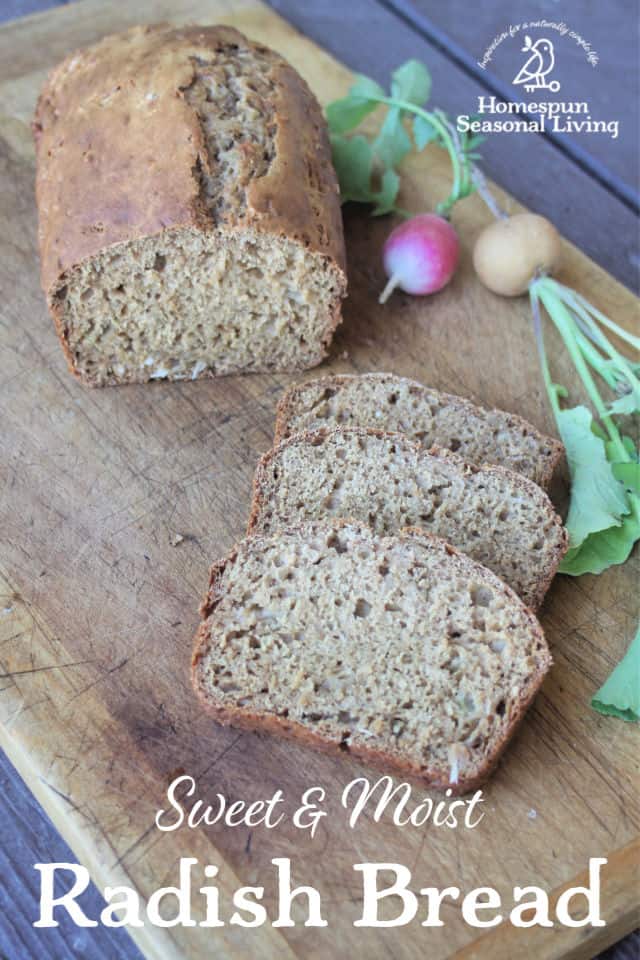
column 99, row 608
column 608, row 86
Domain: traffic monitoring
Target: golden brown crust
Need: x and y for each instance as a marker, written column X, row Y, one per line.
column 248, row 720
column 382, row 760
column 545, row 466
column 529, row 489
column 146, row 149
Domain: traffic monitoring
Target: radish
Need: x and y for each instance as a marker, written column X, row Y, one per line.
column 511, row 252
column 420, row 256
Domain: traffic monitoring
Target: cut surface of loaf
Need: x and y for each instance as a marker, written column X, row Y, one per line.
column 189, row 212
column 397, row 649
column 496, row 516
column 385, row 401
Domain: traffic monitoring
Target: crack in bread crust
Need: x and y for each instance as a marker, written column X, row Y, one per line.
column 199, row 139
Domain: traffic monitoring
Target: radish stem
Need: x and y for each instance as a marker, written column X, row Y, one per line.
column 572, row 295
column 606, row 322
column 595, row 359
column 442, row 128
column 583, row 315
column 552, row 296
column 552, row 389
column 481, row 185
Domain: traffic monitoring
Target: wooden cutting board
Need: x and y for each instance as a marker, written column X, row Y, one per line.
column 99, row 600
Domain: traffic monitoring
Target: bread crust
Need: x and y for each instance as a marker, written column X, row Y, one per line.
column 527, row 487
column 251, row 721
column 111, row 176
column 545, row 468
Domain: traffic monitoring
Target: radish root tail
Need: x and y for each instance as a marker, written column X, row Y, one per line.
column 392, row 283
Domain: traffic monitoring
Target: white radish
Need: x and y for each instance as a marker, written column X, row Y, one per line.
column 513, row 251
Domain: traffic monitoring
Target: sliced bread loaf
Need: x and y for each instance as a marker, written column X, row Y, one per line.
column 189, row 213
column 385, row 401
column 399, row 649
column 498, row 517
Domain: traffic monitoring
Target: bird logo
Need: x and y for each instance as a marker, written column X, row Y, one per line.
column 538, row 66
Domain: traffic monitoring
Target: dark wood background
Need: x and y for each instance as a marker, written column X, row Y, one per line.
column 587, row 184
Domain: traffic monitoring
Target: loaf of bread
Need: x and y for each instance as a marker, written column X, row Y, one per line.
column 385, row 401
column 397, row 649
column 189, row 212
column 496, row 516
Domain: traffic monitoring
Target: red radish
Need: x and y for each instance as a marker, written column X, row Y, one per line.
column 420, row 256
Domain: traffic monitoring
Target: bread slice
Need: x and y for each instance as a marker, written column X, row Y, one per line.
column 385, row 401
column 498, row 517
column 399, row 650
column 189, row 213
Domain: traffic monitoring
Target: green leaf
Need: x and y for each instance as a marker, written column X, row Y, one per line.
column 598, row 501
column 353, row 160
column 603, row 549
column 628, row 403
column 393, row 142
column 364, row 94
column 411, row 82
column 627, row 474
column 424, row 132
column 386, row 198
column 343, row 115
column 619, row 696
column 366, row 88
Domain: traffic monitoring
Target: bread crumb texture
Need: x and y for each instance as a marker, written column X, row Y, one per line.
column 397, row 649
column 496, row 516
column 389, row 402
column 189, row 212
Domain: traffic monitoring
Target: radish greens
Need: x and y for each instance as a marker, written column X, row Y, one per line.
column 368, row 168
column 604, row 511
